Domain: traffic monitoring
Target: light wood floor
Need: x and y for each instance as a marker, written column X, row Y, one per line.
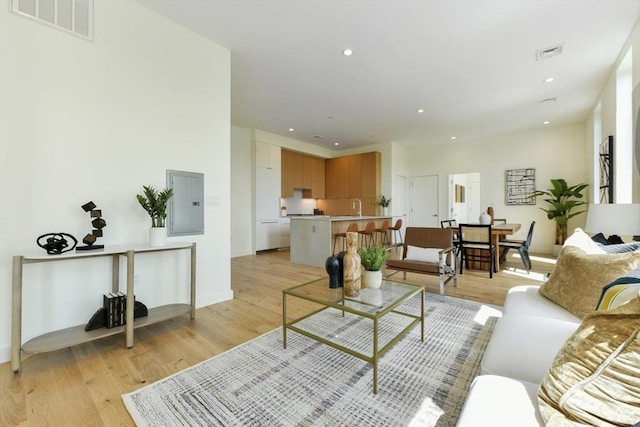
column 81, row 385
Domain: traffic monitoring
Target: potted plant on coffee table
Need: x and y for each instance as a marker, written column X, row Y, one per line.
column 372, row 258
column 562, row 200
column 155, row 203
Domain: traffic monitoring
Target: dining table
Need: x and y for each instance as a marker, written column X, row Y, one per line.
column 499, row 231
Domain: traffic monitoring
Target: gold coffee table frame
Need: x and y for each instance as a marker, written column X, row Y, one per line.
column 391, row 296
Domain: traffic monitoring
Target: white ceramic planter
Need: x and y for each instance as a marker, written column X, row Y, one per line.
column 157, row 236
column 371, row 279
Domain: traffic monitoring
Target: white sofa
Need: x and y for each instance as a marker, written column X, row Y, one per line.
column 522, row 347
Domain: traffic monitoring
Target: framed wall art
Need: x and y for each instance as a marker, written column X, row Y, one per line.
column 520, row 186
column 606, row 170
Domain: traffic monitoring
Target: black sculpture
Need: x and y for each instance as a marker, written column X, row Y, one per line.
column 56, row 243
column 98, row 224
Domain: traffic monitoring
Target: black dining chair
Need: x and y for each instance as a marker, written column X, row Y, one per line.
column 522, row 246
column 476, row 244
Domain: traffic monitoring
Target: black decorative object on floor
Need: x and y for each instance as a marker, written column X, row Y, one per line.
column 56, row 243
column 98, row 224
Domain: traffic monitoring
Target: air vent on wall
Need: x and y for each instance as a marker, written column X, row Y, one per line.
column 549, row 52
column 73, row 16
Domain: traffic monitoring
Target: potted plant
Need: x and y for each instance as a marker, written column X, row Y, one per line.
column 562, row 199
column 384, row 202
column 372, row 258
column 155, row 203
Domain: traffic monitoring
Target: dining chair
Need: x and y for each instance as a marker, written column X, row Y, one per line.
column 452, row 223
column 476, row 244
column 522, row 246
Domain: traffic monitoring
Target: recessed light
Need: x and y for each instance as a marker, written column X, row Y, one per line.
column 420, row 110
column 453, row 137
column 546, row 122
column 549, row 79
column 336, row 143
column 291, row 129
column 347, row 52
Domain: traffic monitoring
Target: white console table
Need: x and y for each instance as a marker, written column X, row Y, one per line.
column 77, row 335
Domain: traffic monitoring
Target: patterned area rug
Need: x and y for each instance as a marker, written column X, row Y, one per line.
column 261, row 384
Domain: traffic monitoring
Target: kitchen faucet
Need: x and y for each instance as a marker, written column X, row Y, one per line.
column 353, row 206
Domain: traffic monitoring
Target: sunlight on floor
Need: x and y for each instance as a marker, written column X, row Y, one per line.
column 540, row 277
column 429, row 408
column 485, row 313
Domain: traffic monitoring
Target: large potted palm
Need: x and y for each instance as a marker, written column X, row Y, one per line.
column 155, row 203
column 563, row 199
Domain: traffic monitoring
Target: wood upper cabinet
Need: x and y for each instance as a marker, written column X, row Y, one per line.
column 371, row 176
column 353, row 176
column 287, row 173
column 300, row 171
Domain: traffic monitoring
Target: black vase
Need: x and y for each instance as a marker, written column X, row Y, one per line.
column 334, row 270
column 341, row 262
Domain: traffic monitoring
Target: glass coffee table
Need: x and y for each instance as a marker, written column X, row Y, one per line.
column 386, row 314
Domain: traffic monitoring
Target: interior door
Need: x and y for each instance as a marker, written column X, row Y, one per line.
column 423, row 197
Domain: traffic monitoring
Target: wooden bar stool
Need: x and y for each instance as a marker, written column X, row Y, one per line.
column 367, row 234
column 353, row 228
column 397, row 228
column 384, row 230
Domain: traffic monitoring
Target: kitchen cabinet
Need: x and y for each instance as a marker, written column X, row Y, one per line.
column 300, row 171
column 268, row 235
column 268, row 156
column 267, row 194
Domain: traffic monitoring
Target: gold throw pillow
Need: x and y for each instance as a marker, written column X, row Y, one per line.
column 595, row 378
column 577, row 281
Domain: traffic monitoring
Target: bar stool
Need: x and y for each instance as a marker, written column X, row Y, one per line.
column 384, row 230
column 397, row 228
column 367, row 233
column 353, row 228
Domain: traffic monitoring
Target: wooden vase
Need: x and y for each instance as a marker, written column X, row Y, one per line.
column 351, row 267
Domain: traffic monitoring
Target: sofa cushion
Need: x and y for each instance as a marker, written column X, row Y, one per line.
column 595, row 378
column 618, row 292
column 623, row 247
column 526, row 300
column 599, row 238
column 523, row 347
column 577, row 280
column 581, row 240
column 486, row 403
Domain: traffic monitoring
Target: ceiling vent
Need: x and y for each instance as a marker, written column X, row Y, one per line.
column 317, row 136
column 549, row 52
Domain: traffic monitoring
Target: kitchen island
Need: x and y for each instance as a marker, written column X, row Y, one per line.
column 312, row 236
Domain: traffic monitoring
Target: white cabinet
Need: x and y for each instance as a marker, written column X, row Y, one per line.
column 267, row 194
column 268, row 156
column 268, row 235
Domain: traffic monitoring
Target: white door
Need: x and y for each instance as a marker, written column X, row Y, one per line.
column 423, row 197
column 399, row 205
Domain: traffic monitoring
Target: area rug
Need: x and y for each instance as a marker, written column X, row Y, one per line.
column 310, row 384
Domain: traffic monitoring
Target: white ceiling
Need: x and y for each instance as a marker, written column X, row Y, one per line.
column 470, row 65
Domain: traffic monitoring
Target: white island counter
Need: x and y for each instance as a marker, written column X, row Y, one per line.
column 312, row 236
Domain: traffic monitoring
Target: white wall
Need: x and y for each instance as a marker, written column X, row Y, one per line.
column 553, row 152
column 95, row 121
column 242, row 183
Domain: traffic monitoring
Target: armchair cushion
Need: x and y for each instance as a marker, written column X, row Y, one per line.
column 415, row 253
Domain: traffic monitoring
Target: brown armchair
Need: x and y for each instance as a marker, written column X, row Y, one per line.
column 427, row 250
